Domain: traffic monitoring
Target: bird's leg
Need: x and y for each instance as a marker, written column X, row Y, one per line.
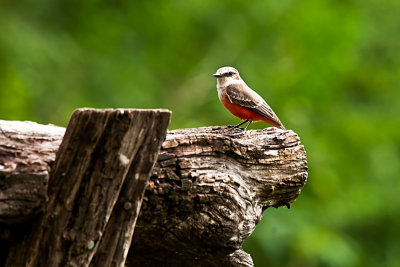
column 237, row 126
column 245, row 128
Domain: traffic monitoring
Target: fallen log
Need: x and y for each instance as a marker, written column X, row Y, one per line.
column 206, row 193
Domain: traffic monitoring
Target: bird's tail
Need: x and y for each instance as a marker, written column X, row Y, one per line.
column 277, row 123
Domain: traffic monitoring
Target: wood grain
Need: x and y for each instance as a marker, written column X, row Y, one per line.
column 209, row 189
column 206, row 193
column 89, row 171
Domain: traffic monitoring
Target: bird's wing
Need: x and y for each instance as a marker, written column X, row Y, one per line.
column 242, row 95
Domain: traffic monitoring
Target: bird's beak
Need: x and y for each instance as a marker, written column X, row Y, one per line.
column 217, row 75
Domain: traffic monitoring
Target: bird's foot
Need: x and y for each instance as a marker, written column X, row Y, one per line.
column 235, row 127
column 238, row 125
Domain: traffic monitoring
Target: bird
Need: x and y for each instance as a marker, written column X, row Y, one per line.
column 240, row 100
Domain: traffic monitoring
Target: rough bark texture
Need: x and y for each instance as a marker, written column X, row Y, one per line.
column 208, row 190
column 118, row 234
column 90, row 169
column 27, row 150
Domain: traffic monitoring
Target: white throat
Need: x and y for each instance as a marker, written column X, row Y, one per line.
column 224, row 82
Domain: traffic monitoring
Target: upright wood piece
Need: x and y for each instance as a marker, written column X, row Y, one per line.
column 92, row 163
column 117, row 237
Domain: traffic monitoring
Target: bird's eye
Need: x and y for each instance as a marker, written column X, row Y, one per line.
column 230, row 73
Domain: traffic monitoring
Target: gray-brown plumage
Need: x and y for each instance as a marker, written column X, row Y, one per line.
column 242, row 101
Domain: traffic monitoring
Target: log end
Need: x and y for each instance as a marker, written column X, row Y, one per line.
column 209, row 189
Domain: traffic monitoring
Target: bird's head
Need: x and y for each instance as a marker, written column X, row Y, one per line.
column 227, row 74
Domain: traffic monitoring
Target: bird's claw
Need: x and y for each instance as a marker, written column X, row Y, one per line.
column 235, row 127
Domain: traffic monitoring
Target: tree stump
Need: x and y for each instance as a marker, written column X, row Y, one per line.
column 206, row 193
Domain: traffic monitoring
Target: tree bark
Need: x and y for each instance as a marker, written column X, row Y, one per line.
column 118, row 234
column 206, row 193
column 209, row 189
column 27, row 150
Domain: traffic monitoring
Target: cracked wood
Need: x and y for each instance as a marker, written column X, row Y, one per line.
column 207, row 192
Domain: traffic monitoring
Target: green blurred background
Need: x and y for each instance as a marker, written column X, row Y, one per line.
column 329, row 69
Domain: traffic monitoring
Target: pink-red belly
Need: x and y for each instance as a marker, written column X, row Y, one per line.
column 245, row 114
column 241, row 112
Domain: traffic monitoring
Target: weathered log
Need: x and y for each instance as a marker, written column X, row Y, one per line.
column 207, row 192
column 90, row 169
column 27, row 150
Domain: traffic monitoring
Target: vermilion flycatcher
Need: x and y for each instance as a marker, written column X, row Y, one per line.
column 241, row 101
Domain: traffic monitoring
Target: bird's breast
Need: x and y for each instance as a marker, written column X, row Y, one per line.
column 237, row 110
column 221, row 93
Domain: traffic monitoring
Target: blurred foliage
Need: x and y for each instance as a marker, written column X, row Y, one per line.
column 330, row 70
